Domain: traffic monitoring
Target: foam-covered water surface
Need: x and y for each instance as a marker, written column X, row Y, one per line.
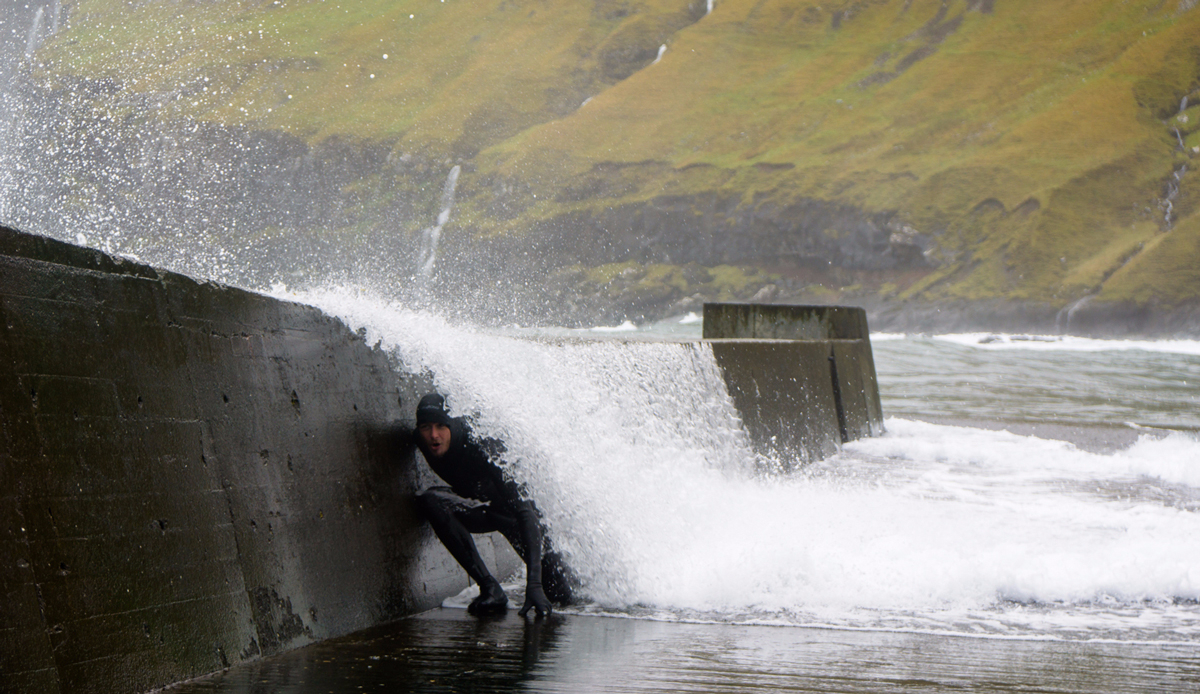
column 637, row 458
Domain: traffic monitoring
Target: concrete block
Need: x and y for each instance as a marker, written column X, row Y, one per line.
column 802, row 377
column 858, row 389
column 784, row 322
column 783, row 391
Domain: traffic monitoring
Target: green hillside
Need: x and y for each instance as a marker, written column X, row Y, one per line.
column 1005, row 149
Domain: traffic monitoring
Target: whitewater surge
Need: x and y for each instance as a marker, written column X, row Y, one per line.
column 1062, row 343
column 637, row 457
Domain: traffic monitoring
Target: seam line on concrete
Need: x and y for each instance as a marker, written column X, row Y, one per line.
column 149, row 608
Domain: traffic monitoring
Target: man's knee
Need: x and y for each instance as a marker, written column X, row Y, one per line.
column 432, row 505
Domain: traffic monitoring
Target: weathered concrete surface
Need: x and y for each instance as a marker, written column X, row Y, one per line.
column 192, row 476
column 782, row 322
column 802, row 377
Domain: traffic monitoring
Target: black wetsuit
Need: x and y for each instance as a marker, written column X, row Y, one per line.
column 481, row 499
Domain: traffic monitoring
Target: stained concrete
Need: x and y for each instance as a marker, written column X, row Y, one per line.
column 802, row 377
column 192, row 476
column 784, row 322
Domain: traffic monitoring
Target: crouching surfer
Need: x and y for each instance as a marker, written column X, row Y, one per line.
column 481, row 499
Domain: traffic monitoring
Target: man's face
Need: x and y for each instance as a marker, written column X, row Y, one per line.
column 436, row 438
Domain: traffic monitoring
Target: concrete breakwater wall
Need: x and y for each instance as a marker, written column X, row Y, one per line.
column 192, row 475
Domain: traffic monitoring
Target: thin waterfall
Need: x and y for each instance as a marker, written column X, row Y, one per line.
column 1168, row 202
column 434, row 233
column 1062, row 321
column 35, row 31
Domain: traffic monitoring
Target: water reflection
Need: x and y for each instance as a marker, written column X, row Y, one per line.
column 448, row 651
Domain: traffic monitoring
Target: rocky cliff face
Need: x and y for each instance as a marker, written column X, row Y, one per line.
column 631, row 159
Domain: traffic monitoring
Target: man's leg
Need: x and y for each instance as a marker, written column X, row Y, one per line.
column 558, row 581
column 453, row 522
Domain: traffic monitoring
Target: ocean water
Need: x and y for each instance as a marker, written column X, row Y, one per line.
column 636, row 457
column 1042, row 378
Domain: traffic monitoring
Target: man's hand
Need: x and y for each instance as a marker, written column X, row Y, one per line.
column 535, row 599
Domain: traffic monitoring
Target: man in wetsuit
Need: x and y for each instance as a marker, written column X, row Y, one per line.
column 481, row 499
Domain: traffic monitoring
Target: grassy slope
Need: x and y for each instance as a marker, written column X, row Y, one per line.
column 1033, row 102
column 429, row 75
column 1055, row 116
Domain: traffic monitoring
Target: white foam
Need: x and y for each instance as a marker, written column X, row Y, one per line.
column 1052, row 343
column 1174, row 459
column 1002, row 341
column 625, row 327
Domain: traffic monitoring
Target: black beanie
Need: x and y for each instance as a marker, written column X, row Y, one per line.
column 432, row 410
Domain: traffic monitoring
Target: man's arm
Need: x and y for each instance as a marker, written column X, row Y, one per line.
column 529, row 523
column 531, row 537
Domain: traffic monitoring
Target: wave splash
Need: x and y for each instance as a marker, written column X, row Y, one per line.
column 639, row 462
